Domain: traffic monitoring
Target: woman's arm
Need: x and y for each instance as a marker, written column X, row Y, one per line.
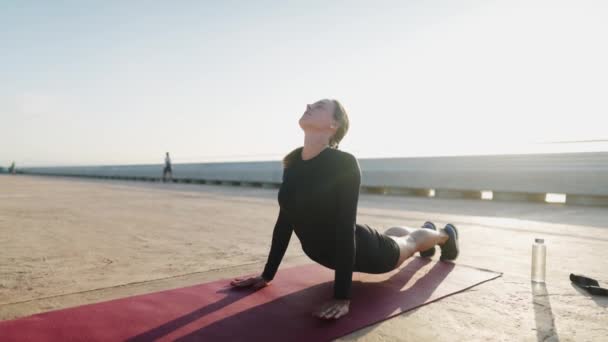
column 348, row 197
column 280, row 240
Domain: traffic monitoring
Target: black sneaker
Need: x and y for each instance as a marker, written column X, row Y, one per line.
column 431, row 251
column 449, row 250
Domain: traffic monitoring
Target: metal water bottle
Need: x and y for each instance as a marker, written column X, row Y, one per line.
column 539, row 256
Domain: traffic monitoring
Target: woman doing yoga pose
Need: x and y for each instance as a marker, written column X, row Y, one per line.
column 318, row 201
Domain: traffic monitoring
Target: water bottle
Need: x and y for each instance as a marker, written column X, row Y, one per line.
column 539, row 255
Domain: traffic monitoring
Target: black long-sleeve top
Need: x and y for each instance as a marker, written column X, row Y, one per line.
column 318, row 200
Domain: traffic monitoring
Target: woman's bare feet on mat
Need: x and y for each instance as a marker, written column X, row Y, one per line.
column 333, row 309
column 253, row 282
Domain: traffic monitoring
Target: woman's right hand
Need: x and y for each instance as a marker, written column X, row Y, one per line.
column 254, row 282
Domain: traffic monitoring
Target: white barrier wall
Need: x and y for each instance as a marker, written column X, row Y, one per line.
column 582, row 176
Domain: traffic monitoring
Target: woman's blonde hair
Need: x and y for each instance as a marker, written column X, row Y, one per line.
column 334, row 141
column 342, row 118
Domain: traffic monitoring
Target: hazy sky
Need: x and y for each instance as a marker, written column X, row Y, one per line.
column 114, row 82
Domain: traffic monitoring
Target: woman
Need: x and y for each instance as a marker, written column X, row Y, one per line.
column 318, row 200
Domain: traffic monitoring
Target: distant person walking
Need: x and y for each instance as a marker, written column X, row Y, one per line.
column 167, row 170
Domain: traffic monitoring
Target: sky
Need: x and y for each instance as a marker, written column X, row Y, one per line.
column 122, row 82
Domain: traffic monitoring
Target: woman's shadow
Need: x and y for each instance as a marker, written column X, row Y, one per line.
column 289, row 318
column 232, row 295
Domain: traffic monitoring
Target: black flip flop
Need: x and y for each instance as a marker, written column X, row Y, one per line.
column 589, row 284
column 582, row 280
column 597, row 291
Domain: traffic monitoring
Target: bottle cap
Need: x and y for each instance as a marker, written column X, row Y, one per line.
column 539, row 240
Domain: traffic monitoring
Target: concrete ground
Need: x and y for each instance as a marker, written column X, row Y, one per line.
column 67, row 242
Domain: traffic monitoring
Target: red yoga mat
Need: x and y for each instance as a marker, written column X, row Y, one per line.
column 280, row 312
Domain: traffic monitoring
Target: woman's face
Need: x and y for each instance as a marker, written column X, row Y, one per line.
column 319, row 116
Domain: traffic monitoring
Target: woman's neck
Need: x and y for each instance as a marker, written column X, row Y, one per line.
column 313, row 145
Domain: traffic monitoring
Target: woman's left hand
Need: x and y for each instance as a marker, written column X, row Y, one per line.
column 333, row 309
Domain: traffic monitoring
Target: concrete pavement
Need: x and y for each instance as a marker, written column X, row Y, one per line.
column 68, row 242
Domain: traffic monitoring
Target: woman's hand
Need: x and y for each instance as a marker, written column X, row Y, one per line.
column 253, row 282
column 333, row 309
